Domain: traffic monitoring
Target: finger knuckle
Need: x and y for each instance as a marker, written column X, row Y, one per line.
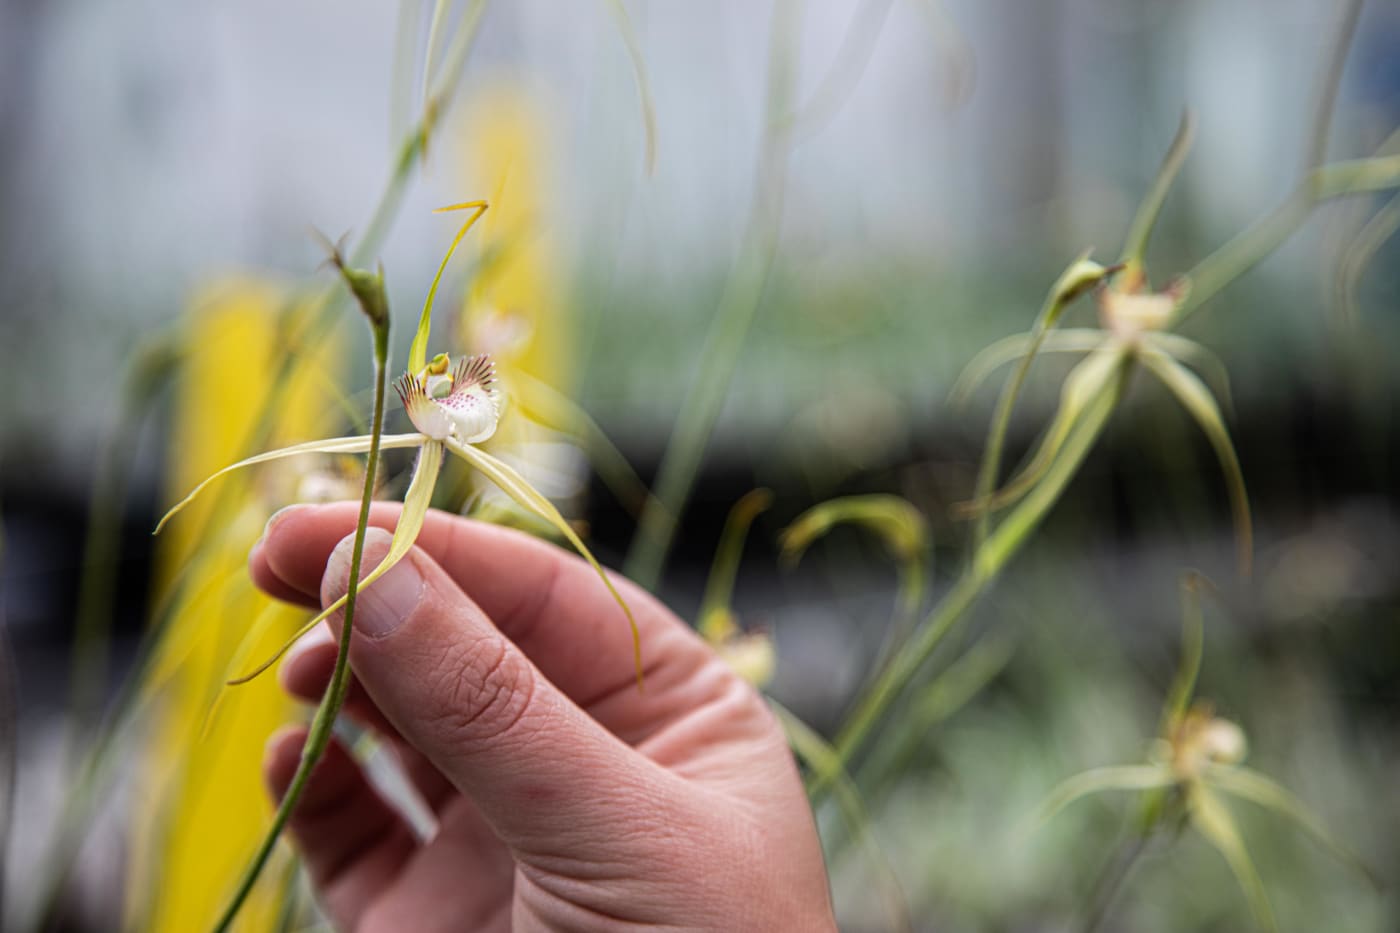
column 482, row 689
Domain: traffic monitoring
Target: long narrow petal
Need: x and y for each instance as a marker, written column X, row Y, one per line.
column 1120, row 777
column 1081, row 275
column 334, row 445
column 415, row 507
column 1250, row 785
column 1200, row 358
column 1010, row 349
column 525, row 495
column 1085, row 383
column 1214, row 821
column 418, row 349
column 895, row 520
column 1135, row 245
column 1197, row 400
column 1012, row 531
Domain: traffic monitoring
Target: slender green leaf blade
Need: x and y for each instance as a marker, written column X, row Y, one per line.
column 639, row 72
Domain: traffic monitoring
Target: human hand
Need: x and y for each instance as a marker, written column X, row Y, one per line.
column 500, row 670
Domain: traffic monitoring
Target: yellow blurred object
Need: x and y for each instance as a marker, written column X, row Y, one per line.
column 205, row 806
column 515, row 310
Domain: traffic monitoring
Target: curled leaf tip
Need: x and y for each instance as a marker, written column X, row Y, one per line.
column 463, row 206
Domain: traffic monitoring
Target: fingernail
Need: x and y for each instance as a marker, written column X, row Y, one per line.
column 389, row 600
column 381, row 606
column 277, row 516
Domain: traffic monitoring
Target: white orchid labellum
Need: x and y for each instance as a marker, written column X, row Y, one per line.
column 468, row 410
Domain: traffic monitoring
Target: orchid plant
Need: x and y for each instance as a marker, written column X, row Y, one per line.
column 454, row 407
column 1195, row 760
column 1134, row 333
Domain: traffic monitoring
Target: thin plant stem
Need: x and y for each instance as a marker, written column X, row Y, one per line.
column 97, row 587
column 9, row 746
column 730, row 327
column 844, row 73
column 1110, row 881
column 1003, row 544
column 1330, row 83
column 322, row 726
column 813, row 749
column 639, row 75
column 1364, row 247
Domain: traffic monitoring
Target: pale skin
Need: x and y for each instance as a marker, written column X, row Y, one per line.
column 567, row 799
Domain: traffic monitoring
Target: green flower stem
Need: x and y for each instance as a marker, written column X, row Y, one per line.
column 322, row 726
column 953, row 689
column 1329, row 83
column 991, row 558
column 811, row 748
column 97, row 588
column 639, row 75
column 730, row 327
column 1111, row 879
column 9, row 747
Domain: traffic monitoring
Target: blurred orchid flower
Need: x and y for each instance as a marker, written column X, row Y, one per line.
column 1134, row 321
column 454, row 409
column 1196, row 759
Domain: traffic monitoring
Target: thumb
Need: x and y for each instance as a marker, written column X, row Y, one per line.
column 475, row 705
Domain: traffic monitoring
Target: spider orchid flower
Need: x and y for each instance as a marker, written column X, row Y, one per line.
column 1195, row 762
column 454, row 409
column 464, row 406
column 1134, row 333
